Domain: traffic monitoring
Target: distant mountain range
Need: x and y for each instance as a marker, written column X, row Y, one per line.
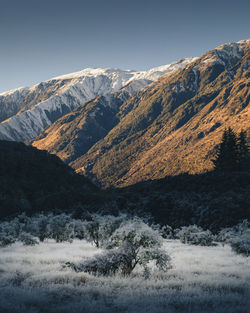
column 171, row 126
column 25, row 112
column 122, row 127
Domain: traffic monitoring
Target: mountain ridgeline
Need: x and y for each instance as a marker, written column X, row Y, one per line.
column 25, row 112
column 171, row 126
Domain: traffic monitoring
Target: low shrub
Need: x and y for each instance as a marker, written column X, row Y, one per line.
column 238, row 237
column 167, row 232
column 241, row 244
column 6, row 240
column 106, row 263
column 195, row 235
column 27, row 239
column 61, row 228
column 225, row 235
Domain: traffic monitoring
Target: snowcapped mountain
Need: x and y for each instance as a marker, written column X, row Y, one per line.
column 26, row 112
column 169, row 127
column 225, row 54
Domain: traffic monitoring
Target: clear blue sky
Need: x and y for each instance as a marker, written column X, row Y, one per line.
column 40, row 39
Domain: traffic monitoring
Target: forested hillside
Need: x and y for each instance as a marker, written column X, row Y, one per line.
column 32, row 180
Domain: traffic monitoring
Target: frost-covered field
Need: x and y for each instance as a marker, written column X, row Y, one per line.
column 203, row 279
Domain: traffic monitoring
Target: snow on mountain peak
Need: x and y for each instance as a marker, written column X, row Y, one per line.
column 12, row 91
column 85, row 72
column 223, row 53
column 122, row 77
column 25, row 112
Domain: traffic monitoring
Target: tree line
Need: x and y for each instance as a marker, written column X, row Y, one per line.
column 233, row 153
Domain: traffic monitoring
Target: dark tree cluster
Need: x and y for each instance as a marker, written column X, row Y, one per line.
column 233, row 153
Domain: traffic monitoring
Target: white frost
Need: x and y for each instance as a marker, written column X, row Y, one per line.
column 203, row 279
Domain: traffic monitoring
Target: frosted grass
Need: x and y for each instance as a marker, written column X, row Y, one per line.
column 203, row 279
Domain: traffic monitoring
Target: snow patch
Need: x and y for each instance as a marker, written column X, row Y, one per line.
column 62, row 94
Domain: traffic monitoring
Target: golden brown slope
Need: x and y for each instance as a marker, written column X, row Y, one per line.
column 175, row 124
column 75, row 133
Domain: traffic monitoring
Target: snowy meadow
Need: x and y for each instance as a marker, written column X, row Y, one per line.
column 35, row 279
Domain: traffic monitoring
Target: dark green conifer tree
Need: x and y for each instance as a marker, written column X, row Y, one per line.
column 226, row 159
column 243, row 152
